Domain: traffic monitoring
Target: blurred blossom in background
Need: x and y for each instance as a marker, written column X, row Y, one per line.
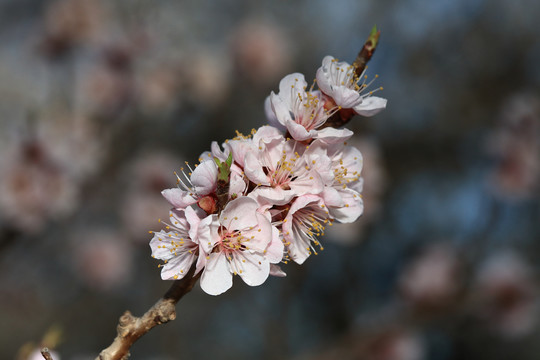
column 100, row 101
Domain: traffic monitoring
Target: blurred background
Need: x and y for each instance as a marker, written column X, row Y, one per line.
column 100, row 101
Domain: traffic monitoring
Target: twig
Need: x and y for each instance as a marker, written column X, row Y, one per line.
column 131, row 328
column 46, row 354
column 366, row 52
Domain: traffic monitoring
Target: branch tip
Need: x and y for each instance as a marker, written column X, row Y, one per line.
column 46, row 354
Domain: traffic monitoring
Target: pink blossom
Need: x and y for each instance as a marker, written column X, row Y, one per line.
column 179, row 247
column 340, row 166
column 305, row 220
column 298, row 111
column 339, row 81
column 432, row 280
column 261, row 51
column 200, row 182
column 103, row 259
column 280, row 173
column 240, row 241
column 508, row 298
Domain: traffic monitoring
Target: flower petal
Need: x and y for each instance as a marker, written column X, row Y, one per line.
column 298, row 132
column 323, row 80
column 331, row 135
column 274, row 251
column 255, row 268
column 370, row 106
column 216, row 277
column 207, row 232
column 353, row 208
column 280, row 108
column 179, row 199
column 177, row 267
column 204, row 177
column 271, row 115
column 293, row 83
column 254, row 170
column 240, row 214
column 275, row 270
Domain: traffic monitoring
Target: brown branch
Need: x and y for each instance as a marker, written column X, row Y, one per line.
column 46, row 354
column 131, row 328
column 366, row 52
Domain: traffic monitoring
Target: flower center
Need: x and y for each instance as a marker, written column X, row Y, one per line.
column 346, row 76
column 308, row 110
column 308, row 223
column 283, row 173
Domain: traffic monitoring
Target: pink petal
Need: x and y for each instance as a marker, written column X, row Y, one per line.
column 216, row 277
column 274, row 196
column 280, row 108
column 370, row 106
column 299, row 132
column 237, row 184
column 323, row 79
column 271, row 116
column 179, row 199
column 267, row 134
column 276, row 271
column 331, row 135
column 259, row 236
column 299, row 203
column 310, row 183
column 240, row 214
column 193, row 220
column 207, row 232
column 332, row 197
column 353, row 208
column 274, row 251
column 292, row 83
column 179, row 266
column 157, row 244
column 204, row 177
column 254, row 171
column 346, row 98
column 239, row 149
column 255, row 269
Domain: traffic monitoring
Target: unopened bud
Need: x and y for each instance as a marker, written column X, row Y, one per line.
column 208, row 204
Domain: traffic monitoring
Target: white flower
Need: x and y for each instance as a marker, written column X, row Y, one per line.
column 179, row 246
column 339, row 81
column 339, row 165
column 201, row 182
column 279, row 172
column 306, row 219
column 240, row 241
column 298, row 111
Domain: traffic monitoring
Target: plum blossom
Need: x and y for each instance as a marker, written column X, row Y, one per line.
column 339, row 81
column 240, row 241
column 340, row 166
column 198, row 183
column 508, row 300
column 302, row 113
column 262, row 199
column 179, row 247
column 305, row 220
column 279, row 172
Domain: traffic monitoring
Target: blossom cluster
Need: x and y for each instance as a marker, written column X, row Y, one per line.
column 264, row 199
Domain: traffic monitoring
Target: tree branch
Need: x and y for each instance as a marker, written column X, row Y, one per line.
column 131, row 328
column 46, row 354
